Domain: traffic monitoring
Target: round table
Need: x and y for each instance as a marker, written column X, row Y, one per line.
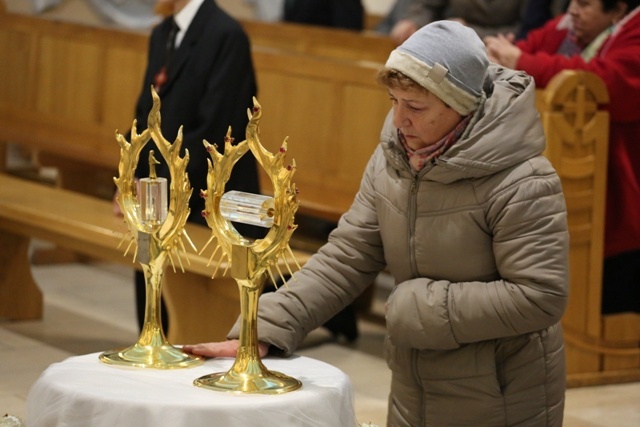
column 82, row 391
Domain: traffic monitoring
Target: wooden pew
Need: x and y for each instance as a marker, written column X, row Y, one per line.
column 79, row 84
column 51, row 94
column 320, row 41
column 600, row 349
column 200, row 308
column 332, row 112
column 57, row 116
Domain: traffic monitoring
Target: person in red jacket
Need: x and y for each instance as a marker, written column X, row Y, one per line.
column 603, row 37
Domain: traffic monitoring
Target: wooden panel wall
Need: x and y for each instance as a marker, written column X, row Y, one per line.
column 327, row 109
column 320, row 41
column 55, row 76
column 581, row 162
column 81, row 84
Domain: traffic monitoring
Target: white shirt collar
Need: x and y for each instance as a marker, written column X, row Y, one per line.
column 184, row 18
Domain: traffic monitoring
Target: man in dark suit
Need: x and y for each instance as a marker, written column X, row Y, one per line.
column 206, row 82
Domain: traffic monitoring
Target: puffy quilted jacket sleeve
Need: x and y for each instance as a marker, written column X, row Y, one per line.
column 330, row 280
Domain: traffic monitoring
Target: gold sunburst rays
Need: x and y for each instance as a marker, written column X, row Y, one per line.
column 274, row 247
column 170, row 235
column 155, row 241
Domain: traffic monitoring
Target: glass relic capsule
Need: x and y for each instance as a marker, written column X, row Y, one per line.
column 152, row 196
column 247, row 208
column 153, row 200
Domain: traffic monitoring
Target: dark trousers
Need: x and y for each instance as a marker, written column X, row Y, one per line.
column 621, row 283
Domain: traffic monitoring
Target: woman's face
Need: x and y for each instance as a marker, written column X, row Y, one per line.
column 421, row 117
column 589, row 19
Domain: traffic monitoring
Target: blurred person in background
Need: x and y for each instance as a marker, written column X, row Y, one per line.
column 485, row 17
column 346, row 14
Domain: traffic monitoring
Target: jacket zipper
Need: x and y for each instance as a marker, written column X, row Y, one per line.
column 413, row 209
column 413, row 202
column 413, row 214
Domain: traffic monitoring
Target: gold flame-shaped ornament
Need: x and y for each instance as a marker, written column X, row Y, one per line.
column 251, row 261
column 155, row 241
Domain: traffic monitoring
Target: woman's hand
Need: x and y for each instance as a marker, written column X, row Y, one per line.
column 221, row 349
column 501, row 50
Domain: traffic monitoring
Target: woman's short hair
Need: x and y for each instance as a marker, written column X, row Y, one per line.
column 390, row 78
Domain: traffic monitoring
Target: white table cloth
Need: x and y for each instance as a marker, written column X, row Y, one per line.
column 82, row 391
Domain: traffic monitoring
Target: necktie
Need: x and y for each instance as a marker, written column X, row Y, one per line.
column 171, row 41
column 162, row 77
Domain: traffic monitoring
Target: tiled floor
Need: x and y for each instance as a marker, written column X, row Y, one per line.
column 89, row 308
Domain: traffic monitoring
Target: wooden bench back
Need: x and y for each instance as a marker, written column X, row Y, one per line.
column 66, row 88
column 332, row 112
column 573, row 112
column 320, row 41
column 78, row 84
column 577, row 130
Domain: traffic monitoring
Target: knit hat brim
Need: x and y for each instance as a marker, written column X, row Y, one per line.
column 433, row 79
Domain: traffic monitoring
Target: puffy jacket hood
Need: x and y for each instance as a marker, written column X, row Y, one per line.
column 486, row 147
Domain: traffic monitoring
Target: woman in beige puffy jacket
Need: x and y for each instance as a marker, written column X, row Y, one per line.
column 460, row 206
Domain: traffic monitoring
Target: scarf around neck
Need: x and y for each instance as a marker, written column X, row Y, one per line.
column 419, row 158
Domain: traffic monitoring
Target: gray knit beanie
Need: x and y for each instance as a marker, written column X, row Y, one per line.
column 448, row 59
